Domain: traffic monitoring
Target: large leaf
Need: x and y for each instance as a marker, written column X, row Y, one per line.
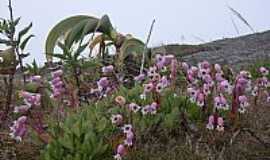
column 76, row 32
column 61, row 29
column 89, row 26
column 75, row 28
column 105, row 26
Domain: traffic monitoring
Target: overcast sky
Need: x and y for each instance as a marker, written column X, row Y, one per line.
column 177, row 21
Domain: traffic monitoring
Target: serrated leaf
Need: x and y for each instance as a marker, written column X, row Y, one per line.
column 25, row 41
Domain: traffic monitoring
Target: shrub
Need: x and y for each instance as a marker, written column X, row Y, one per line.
column 82, row 136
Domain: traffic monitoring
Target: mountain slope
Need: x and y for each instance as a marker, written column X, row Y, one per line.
column 236, row 52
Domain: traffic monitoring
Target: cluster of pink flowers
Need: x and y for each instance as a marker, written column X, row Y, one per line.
column 35, row 79
column 262, row 83
column 121, row 149
column 162, row 62
column 150, row 109
column 134, row 107
column 118, row 120
column 31, row 99
column 220, row 102
column 243, row 103
column 264, row 71
column 21, row 108
column 19, row 128
column 200, row 81
column 241, row 87
column 139, row 78
column 104, row 85
column 120, row 152
column 215, row 122
column 58, row 86
column 107, row 69
column 156, row 81
column 128, row 134
column 205, row 80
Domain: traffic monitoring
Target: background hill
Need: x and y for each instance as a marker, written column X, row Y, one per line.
column 237, row 52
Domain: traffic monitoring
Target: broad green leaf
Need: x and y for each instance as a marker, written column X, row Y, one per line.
column 76, row 33
column 60, row 30
column 105, row 26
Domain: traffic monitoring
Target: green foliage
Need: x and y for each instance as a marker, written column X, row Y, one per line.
column 59, row 31
column 24, row 32
column 254, row 69
column 25, row 41
column 32, row 87
column 7, row 28
column 168, row 115
column 76, row 129
column 82, row 136
column 74, row 29
column 33, row 68
column 70, row 57
column 16, row 43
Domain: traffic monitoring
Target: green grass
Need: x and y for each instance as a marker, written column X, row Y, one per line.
column 254, row 69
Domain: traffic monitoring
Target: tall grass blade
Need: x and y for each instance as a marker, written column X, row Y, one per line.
column 237, row 14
